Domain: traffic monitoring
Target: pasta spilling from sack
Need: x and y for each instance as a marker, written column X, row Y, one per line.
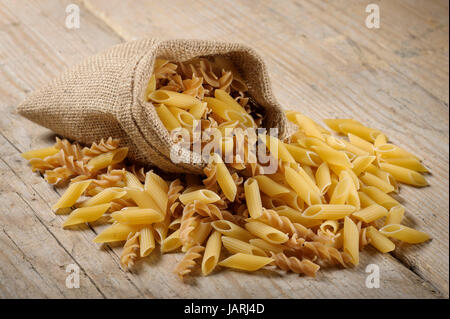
column 330, row 195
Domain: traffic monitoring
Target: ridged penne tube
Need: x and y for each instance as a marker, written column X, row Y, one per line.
column 266, row 232
column 228, row 100
column 185, row 118
column 308, row 126
column 202, row 195
column 348, row 173
column 407, row 162
column 341, row 191
column 334, row 123
column 151, row 86
column 201, row 232
column 380, row 197
column 198, row 110
column 273, row 143
column 331, row 156
column 269, row 187
column 170, row 98
column 380, row 140
column 331, row 226
column 146, row 241
column 301, row 187
column 157, row 189
column 137, row 216
column 303, row 155
column 393, row 151
column 371, row 213
column 404, row 233
column 267, row 247
column 40, row 153
column 295, row 216
column 395, row 215
column 290, row 199
column 212, row 253
column 309, row 179
column 160, row 229
column 169, row 121
column 359, row 130
column 323, row 212
column 230, row 229
column 105, row 196
column 372, row 180
column 86, row 214
column 132, row 180
column 361, row 163
column 351, row 240
column 361, row 143
column 365, row 200
column 245, row 262
column 71, row 195
column 218, row 107
column 172, row 242
column 105, row 159
column 234, row 246
column 143, row 199
column 224, row 178
column 344, row 146
column 404, row 175
column 379, row 241
column 323, row 178
column 308, row 170
column 243, row 118
column 115, row 232
column 253, row 198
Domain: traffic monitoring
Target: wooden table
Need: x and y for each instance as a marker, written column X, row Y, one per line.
column 323, row 60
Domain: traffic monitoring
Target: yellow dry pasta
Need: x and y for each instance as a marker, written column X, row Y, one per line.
column 245, row 262
column 234, row 246
column 301, row 187
column 169, row 121
column 266, row 232
column 106, row 159
column 405, row 175
column 202, row 195
column 157, row 189
column 371, row 213
column 105, row 196
column 379, row 241
column 115, row 232
column 137, row 216
column 230, row 229
column 253, row 198
column 270, row 187
column 328, row 211
column 404, row 233
column 323, row 178
column 395, row 215
column 146, row 241
column 351, row 240
column 40, row 153
column 170, row 98
column 212, row 253
column 71, row 195
column 86, row 214
column 303, row 156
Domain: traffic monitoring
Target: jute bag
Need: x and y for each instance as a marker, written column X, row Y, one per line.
column 104, row 96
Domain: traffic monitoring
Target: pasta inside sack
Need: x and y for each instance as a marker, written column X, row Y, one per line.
column 328, row 196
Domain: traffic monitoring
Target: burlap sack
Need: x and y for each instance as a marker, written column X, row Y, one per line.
column 104, row 96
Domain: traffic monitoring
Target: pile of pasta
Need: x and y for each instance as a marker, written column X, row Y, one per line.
column 331, row 195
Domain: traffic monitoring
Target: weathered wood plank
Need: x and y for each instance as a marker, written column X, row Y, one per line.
column 326, row 63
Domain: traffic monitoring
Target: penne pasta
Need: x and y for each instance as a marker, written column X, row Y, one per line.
column 143, row 199
column 175, row 99
column 405, row 175
column 86, row 214
column 365, row 200
column 296, row 216
column 137, row 216
column 253, row 198
column 361, row 163
column 393, row 151
column 407, row 162
column 380, row 197
column 105, row 196
column 267, row 247
column 185, row 118
column 404, row 233
column 379, row 241
column 303, row 156
column 266, row 232
column 323, row 178
column 146, row 241
column 168, row 119
column 115, row 232
column 351, row 240
column 212, row 253
column 301, row 187
column 171, row 243
column 202, row 195
column 224, row 178
column 328, row 211
column 71, row 195
column 359, row 130
column 132, row 180
column 198, row 110
column 245, row 262
column 395, row 215
column 105, row 159
column 334, row 124
column 341, row 192
column 372, row 180
column 270, row 187
column 40, row 153
column 370, row 213
column 333, row 157
column 157, row 189
column 277, row 148
column 361, row 143
column 235, row 246
column 230, row 229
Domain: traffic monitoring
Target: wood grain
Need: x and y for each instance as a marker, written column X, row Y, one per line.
column 323, row 61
